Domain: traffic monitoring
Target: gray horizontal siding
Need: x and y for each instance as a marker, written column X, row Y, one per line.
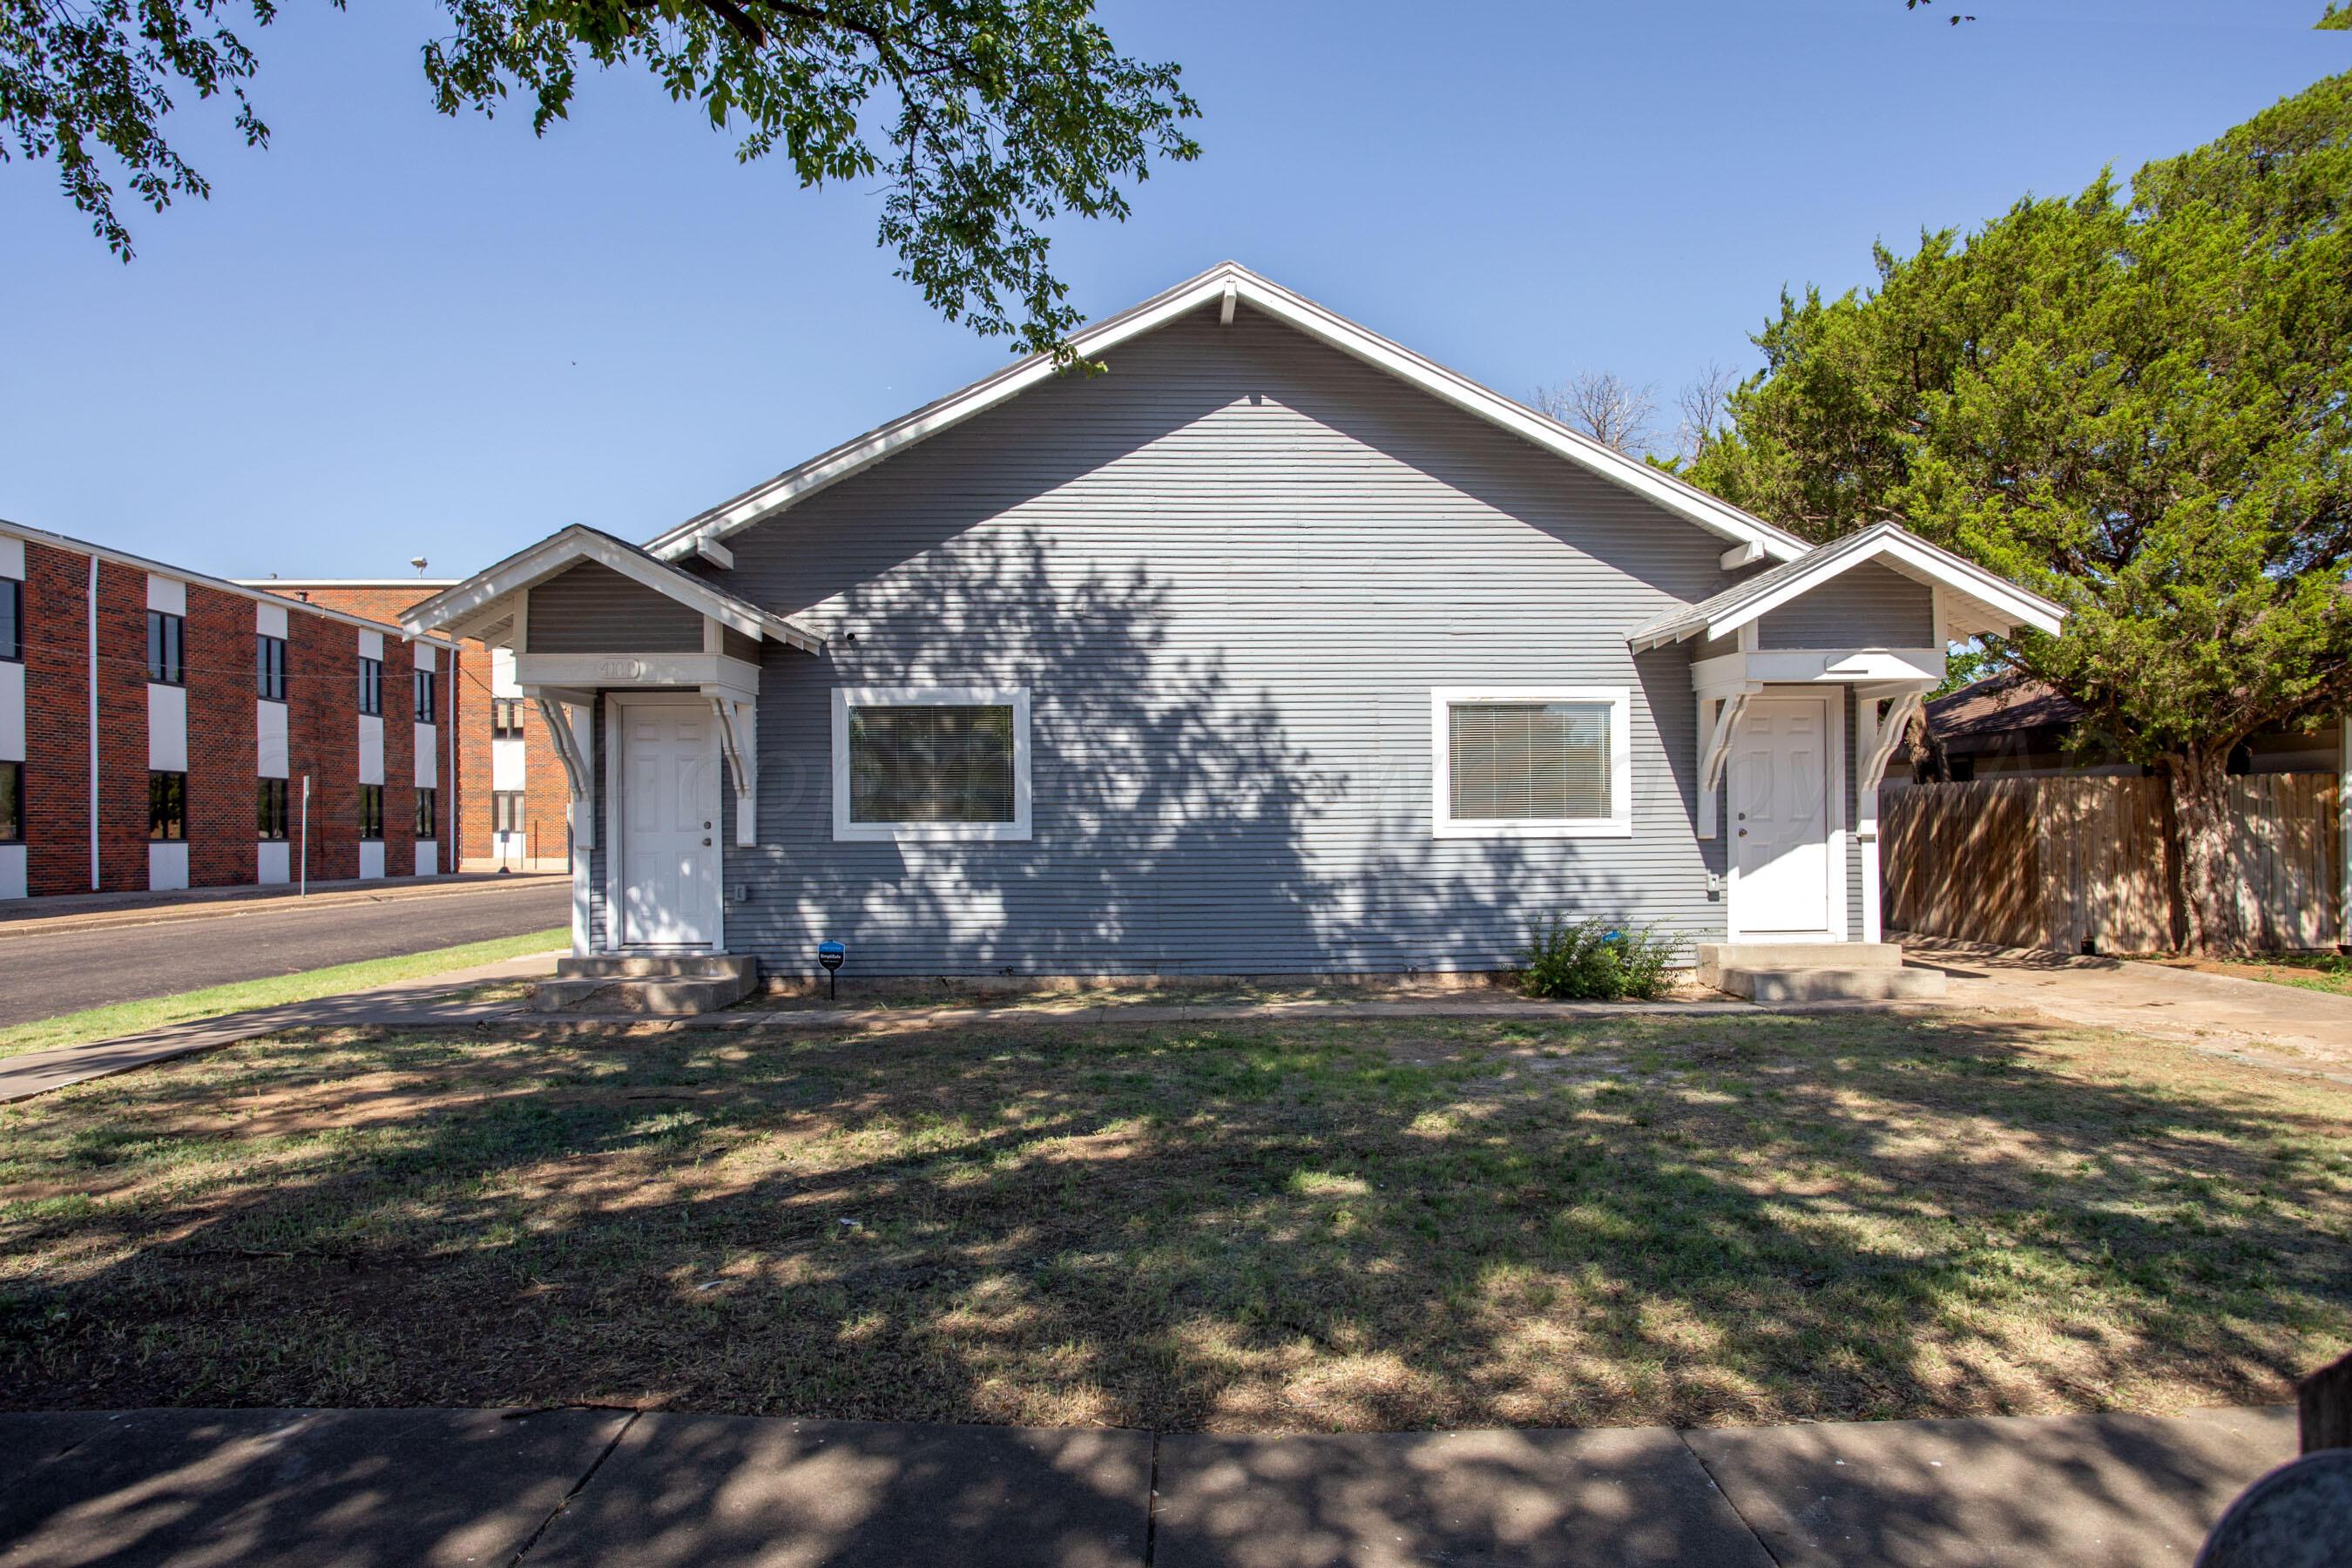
column 1230, row 572
column 591, row 608
column 1869, row 605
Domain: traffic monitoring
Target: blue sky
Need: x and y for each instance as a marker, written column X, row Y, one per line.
column 396, row 333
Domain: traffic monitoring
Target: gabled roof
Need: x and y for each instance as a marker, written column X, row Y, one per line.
column 477, row 605
column 1226, row 285
column 1976, row 601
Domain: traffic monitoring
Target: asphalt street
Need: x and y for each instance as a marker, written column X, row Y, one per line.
column 44, row 974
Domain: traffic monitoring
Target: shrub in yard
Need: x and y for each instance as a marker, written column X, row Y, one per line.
column 1592, row 961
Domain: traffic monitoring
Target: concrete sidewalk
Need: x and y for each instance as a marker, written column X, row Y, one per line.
column 180, row 1489
column 420, row 1003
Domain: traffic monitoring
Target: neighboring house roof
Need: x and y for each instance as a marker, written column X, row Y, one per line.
column 1226, row 285
column 1976, row 601
column 478, row 608
column 2001, row 704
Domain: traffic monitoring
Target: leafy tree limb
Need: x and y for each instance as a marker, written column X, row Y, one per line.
column 985, row 118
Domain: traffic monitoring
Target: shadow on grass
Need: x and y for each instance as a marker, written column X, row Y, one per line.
column 1300, row 1227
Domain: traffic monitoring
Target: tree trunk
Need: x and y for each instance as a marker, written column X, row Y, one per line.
column 2200, row 805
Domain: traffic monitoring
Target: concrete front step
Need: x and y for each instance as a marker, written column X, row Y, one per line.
column 1715, row 957
column 1874, row 984
column 653, row 966
column 668, row 987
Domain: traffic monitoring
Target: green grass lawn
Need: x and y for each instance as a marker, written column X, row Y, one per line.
column 131, row 1018
column 1300, row 1226
column 2328, row 972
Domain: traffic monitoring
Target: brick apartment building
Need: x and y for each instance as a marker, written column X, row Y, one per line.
column 510, row 813
column 157, row 727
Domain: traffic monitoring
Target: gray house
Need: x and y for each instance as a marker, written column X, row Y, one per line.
column 1276, row 648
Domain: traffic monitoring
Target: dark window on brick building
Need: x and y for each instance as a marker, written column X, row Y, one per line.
column 269, row 809
column 269, row 667
column 505, row 719
column 424, row 696
column 167, row 645
column 429, row 811
column 505, row 811
column 12, row 803
column 12, row 618
column 371, row 686
column 371, row 811
column 167, row 808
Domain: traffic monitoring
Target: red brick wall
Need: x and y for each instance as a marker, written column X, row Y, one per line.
column 399, row 760
column 57, row 721
column 121, row 727
column 466, row 793
column 221, row 739
column 322, row 739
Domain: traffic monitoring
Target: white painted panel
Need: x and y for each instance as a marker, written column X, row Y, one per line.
column 428, row 858
column 506, row 764
column 12, row 861
column 371, row 645
column 167, row 728
column 12, row 712
column 371, row 748
column 502, row 673
column 12, row 557
column 371, row 858
column 273, row 863
column 269, row 740
column 427, row 745
column 167, row 866
column 269, row 620
column 168, row 595
column 427, row 656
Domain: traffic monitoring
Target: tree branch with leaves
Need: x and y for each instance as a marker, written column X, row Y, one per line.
column 986, row 119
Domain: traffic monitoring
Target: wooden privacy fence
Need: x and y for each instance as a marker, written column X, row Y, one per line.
column 2058, row 862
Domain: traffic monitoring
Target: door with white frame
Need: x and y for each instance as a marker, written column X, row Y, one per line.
column 662, row 866
column 1787, row 758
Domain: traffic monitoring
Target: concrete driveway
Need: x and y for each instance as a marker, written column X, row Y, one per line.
column 2284, row 1026
column 64, row 965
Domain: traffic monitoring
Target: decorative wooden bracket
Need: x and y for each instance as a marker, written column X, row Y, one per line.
column 738, row 737
column 1717, row 717
column 573, row 755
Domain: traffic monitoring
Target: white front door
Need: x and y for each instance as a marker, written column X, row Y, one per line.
column 1784, row 884
column 667, row 894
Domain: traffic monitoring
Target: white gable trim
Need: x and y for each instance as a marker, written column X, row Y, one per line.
column 1222, row 285
column 2005, row 605
column 480, row 599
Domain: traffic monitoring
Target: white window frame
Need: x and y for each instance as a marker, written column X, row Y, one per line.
column 847, row 697
column 1618, row 823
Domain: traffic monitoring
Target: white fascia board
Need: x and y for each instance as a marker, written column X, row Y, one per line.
column 480, row 598
column 1930, row 566
column 1219, row 285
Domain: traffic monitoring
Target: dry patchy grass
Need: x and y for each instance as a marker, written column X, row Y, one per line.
column 1300, row 1227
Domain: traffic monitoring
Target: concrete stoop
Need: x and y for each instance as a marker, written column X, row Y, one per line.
column 669, row 987
column 1816, row 972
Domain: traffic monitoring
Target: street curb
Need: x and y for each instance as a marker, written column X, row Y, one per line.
column 247, row 903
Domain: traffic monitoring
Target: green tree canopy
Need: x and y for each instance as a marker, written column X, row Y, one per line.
column 984, row 119
column 2139, row 404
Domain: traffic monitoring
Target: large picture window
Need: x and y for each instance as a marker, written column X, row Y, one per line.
column 1531, row 763
column 930, row 763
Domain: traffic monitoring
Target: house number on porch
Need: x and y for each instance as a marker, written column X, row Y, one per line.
column 621, row 669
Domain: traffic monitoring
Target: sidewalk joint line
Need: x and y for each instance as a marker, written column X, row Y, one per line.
column 1681, row 1435
column 1151, row 1505
column 580, row 1486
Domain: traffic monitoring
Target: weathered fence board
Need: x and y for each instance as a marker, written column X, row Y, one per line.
column 2059, row 862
